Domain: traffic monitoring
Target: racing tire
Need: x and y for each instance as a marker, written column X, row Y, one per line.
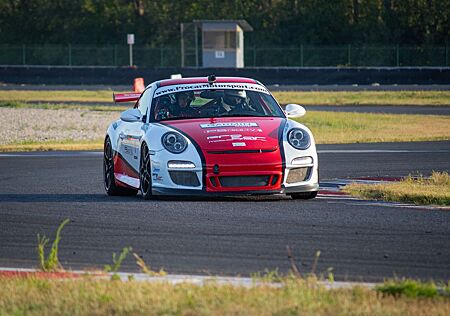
column 145, row 173
column 109, row 180
column 304, row 195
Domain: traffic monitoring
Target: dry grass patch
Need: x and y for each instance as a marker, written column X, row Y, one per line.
column 436, row 98
column 338, row 127
column 433, row 190
column 57, row 95
column 420, row 98
column 295, row 296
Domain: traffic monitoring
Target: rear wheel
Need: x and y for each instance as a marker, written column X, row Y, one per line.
column 145, row 173
column 109, row 180
column 304, row 195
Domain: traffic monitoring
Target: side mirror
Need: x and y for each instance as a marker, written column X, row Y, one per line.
column 131, row 115
column 295, row 110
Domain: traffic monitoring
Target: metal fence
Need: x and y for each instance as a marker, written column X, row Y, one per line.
column 302, row 56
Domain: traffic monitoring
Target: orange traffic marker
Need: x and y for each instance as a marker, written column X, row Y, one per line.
column 138, row 85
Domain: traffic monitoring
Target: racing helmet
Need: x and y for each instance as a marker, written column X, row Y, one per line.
column 234, row 97
column 188, row 94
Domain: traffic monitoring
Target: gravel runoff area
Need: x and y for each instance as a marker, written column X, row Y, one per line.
column 42, row 125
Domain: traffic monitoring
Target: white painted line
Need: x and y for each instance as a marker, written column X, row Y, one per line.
column 195, row 279
column 55, row 154
column 331, row 151
column 377, row 151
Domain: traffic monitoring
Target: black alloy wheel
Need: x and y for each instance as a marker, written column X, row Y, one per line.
column 109, row 180
column 145, row 173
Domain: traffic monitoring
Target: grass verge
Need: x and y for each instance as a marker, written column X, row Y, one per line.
column 338, row 128
column 367, row 98
column 59, row 106
column 52, row 146
column 35, row 296
column 420, row 98
column 421, row 191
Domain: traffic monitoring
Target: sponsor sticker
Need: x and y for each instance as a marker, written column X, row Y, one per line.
column 230, row 124
column 234, row 137
column 241, row 144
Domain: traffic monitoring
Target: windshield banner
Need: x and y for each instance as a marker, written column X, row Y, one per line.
column 206, row 86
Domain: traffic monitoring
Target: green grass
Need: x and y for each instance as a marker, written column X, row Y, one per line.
column 57, row 95
column 418, row 190
column 413, row 289
column 333, row 98
column 422, row 98
column 36, row 296
column 339, row 127
column 50, row 262
column 59, row 106
column 52, row 145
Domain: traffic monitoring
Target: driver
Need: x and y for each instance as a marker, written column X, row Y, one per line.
column 234, row 100
column 163, row 108
column 184, row 100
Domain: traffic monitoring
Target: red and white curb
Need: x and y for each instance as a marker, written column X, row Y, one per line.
column 169, row 278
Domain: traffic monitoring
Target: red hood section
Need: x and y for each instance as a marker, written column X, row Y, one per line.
column 236, row 133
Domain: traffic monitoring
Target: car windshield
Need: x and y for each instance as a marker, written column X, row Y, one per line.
column 207, row 103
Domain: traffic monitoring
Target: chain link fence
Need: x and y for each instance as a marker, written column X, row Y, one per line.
column 302, row 56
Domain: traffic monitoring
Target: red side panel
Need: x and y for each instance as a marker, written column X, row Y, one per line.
column 122, row 167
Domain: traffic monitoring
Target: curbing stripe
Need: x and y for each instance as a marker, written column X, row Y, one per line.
column 170, row 278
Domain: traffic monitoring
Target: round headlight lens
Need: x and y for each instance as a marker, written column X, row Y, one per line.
column 299, row 138
column 174, row 142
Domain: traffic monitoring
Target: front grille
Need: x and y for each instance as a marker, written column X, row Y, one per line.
column 186, row 178
column 244, row 181
column 298, row 174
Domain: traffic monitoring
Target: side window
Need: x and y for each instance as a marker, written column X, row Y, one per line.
column 144, row 101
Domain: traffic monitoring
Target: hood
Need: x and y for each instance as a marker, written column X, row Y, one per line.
column 232, row 133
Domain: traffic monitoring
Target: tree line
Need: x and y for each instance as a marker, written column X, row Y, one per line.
column 275, row 22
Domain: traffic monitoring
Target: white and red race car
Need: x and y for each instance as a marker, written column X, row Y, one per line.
column 209, row 136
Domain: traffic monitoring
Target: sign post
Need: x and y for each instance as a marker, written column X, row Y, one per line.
column 130, row 41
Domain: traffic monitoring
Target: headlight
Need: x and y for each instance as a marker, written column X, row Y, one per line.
column 174, row 142
column 299, row 138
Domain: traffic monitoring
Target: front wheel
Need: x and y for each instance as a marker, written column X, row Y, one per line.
column 304, row 195
column 109, row 180
column 145, row 173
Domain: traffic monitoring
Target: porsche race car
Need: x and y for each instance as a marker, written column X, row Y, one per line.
column 209, row 136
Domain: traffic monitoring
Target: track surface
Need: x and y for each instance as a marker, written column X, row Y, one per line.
column 359, row 240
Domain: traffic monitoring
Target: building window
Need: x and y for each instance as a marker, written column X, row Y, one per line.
column 219, row 39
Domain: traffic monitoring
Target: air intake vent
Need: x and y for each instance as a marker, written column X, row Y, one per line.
column 186, row 178
column 244, row 181
column 298, row 174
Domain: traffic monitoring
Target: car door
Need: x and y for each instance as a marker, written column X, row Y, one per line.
column 131, row 134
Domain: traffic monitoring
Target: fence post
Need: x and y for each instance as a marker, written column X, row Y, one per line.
column 70, row 54
column 254, row 56
column 349, row 54
column 115, row 54
column 161, row 56
column 398, row 55
column 446, row 54
column 24, row 55
column 301, row 55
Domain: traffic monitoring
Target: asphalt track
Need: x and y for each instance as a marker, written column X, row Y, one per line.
column 359, row 240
